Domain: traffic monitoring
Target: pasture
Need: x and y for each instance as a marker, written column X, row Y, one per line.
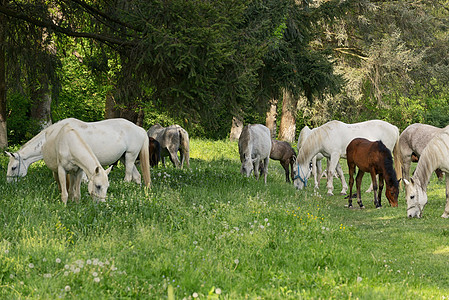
column 208, row 232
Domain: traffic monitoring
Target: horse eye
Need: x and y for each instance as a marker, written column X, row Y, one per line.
column 412, row 197
column 13, row 168
column 98, row 187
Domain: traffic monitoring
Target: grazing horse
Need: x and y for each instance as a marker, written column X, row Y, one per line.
column 154, row 151
column 375, row 158
column 110, row 140
column 412, row 142
column 316, row 161
column 254, row 149
column 66, row 153
column 331, row 140
column 434, row 156
column 283, row 152
column 172, row 139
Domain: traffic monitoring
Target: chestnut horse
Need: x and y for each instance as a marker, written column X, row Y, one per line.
column 375, row 158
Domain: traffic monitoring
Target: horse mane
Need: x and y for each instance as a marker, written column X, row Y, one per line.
column 313, row 143
column 389, row 165
column 430, row 158
column 245, row 137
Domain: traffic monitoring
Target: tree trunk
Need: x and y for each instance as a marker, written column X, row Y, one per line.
column 271, row 117
column 110, row 109
column 287, row 129
column 236, row 129
column 3, row 130
column 41, row 107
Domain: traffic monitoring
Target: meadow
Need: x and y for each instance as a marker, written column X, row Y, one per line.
column 207, row 232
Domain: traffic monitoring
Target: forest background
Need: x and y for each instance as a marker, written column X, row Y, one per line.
column 213, row 65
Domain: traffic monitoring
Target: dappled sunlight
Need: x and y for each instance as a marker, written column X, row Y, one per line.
column 442, row 251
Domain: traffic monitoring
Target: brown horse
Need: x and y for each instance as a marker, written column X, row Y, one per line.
column 155, row 151
column 283, row 152
column 375, row 158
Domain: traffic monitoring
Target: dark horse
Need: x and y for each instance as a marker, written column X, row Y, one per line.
column 155, row 152
column 375, row 158
column 283, row 152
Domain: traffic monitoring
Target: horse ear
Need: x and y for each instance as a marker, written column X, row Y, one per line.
column 406, row 181
column 8, row 153
column 294, row 158
column 108, row 170
column 97, row 170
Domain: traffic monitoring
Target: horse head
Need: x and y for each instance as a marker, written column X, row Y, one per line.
column 301, row 174
column 247, row 165
column 392, row 193
column 416, row 198
column 99, row 184
column 16, row 167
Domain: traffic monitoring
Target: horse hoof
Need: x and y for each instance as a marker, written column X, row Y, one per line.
column 362, row 207
column 445, row 215
column 330, row 194
column 343, row 193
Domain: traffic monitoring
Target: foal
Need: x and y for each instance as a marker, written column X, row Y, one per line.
column 375, row 158
column 283, row 152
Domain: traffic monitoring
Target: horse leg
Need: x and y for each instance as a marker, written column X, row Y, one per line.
column 344, row 188
column 131, row 172
column 374, row 183
column 446, row 208
column 381, row 187
column 315, row 171
column 256, row 164
column 406, row 167
column 265, row 169
column 359, row 178
column 351, row 167
column 331, row 165
column 285, row 165
column 63, row 184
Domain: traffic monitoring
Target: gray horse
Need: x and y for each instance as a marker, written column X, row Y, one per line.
column 412, row 142
column 254, row 150
column 172, row 139
column 286, row 155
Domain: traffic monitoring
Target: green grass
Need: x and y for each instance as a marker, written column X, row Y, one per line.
column 209, row 232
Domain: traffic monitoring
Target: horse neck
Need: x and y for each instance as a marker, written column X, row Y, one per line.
column 428, row 162
column 83, row 154
column 32, row 150
column 310, row 148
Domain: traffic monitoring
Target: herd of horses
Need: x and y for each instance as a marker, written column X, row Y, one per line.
column 373, row 146
column 72, row 149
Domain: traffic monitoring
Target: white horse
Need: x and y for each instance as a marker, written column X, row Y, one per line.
column 66, row 153
column 172, row 139
column 110, row 140
column 316, row 161
column 414, row 139
column 434, row 156
column 331, row 140
column 254, row 149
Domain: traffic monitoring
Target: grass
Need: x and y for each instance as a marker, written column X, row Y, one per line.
column 208, row 232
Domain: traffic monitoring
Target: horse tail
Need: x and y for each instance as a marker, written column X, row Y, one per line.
column 185, row 148
column 145, row 162
column 397, row 156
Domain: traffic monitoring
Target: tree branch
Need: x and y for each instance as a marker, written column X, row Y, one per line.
column 50, row 25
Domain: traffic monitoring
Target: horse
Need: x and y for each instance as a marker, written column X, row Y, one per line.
column 316, row 161
column 110, row 140
column 173, row 138
column 154, row 149
column 375, row 158
column 432, row 157
column 66, row 153
column 412, row 142
column 331, row 140
column 283, row 152
column 254, row 148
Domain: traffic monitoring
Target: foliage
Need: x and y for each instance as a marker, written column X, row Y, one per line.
column 81, row 96
column 209, row 232
column 21, row 127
